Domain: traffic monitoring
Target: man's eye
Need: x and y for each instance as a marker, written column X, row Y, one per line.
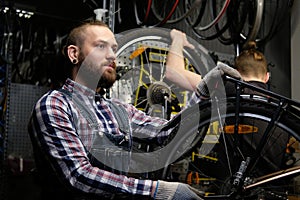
column 101, row 46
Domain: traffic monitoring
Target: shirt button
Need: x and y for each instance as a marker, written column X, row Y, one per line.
column 98, row 102
column 110, row 122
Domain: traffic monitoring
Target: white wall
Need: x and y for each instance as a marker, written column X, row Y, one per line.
column 295, row 51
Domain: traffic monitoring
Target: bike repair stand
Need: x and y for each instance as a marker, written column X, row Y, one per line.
column 101, row 14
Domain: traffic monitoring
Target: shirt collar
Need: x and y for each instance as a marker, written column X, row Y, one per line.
column 79, row 89
column 258, row 84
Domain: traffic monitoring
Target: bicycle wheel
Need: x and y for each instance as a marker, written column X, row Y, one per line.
column 235, row 19
column 174, row 11
column 214, row 12
column 273, row 20
column 141, row 66
column 141, row 11
column 193, row 20
column 251, row 29
column 167, row 11
column 214, row 21
column 254, row 129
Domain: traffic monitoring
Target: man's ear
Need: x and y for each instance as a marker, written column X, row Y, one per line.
column 73, row 53
column 267, row 77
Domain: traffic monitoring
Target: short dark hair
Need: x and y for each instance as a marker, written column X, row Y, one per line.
column 251, row 62
column 76, row 35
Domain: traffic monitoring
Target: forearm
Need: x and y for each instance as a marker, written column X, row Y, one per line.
column 175, row 61
column 175, row 67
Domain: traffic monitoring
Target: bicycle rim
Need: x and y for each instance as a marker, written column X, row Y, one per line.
column 141, row 65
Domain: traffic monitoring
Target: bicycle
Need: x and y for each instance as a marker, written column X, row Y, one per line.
column 243, row 153
column 204, row 146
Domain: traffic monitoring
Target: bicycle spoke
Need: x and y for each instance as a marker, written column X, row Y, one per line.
column 146, row 50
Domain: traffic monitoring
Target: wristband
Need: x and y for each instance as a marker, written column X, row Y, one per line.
column 154, row 195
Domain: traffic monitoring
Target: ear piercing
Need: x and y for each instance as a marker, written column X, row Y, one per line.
column 74, row 61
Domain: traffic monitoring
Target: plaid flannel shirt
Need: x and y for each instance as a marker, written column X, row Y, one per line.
column 64, row 134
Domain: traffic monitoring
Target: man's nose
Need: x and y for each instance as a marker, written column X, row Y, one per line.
column 111, row 54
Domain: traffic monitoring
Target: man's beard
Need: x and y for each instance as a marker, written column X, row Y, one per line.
column 107, row 80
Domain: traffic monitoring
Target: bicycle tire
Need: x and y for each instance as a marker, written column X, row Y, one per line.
column 255, row 27
column 141, row 9
column 277, row 17
column 181, row 12
column 206, row 32
column 256, row 111
column 166, row 12
column 193, row 20
column 216, row 19
column 236, row 16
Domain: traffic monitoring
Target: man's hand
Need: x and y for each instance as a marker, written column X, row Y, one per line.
column 214, row 76
column 180, row 38
column 176, row 191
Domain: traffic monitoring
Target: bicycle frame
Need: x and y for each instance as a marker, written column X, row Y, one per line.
column 249, row 183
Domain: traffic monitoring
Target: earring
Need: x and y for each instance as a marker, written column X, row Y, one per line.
column 74, row 61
